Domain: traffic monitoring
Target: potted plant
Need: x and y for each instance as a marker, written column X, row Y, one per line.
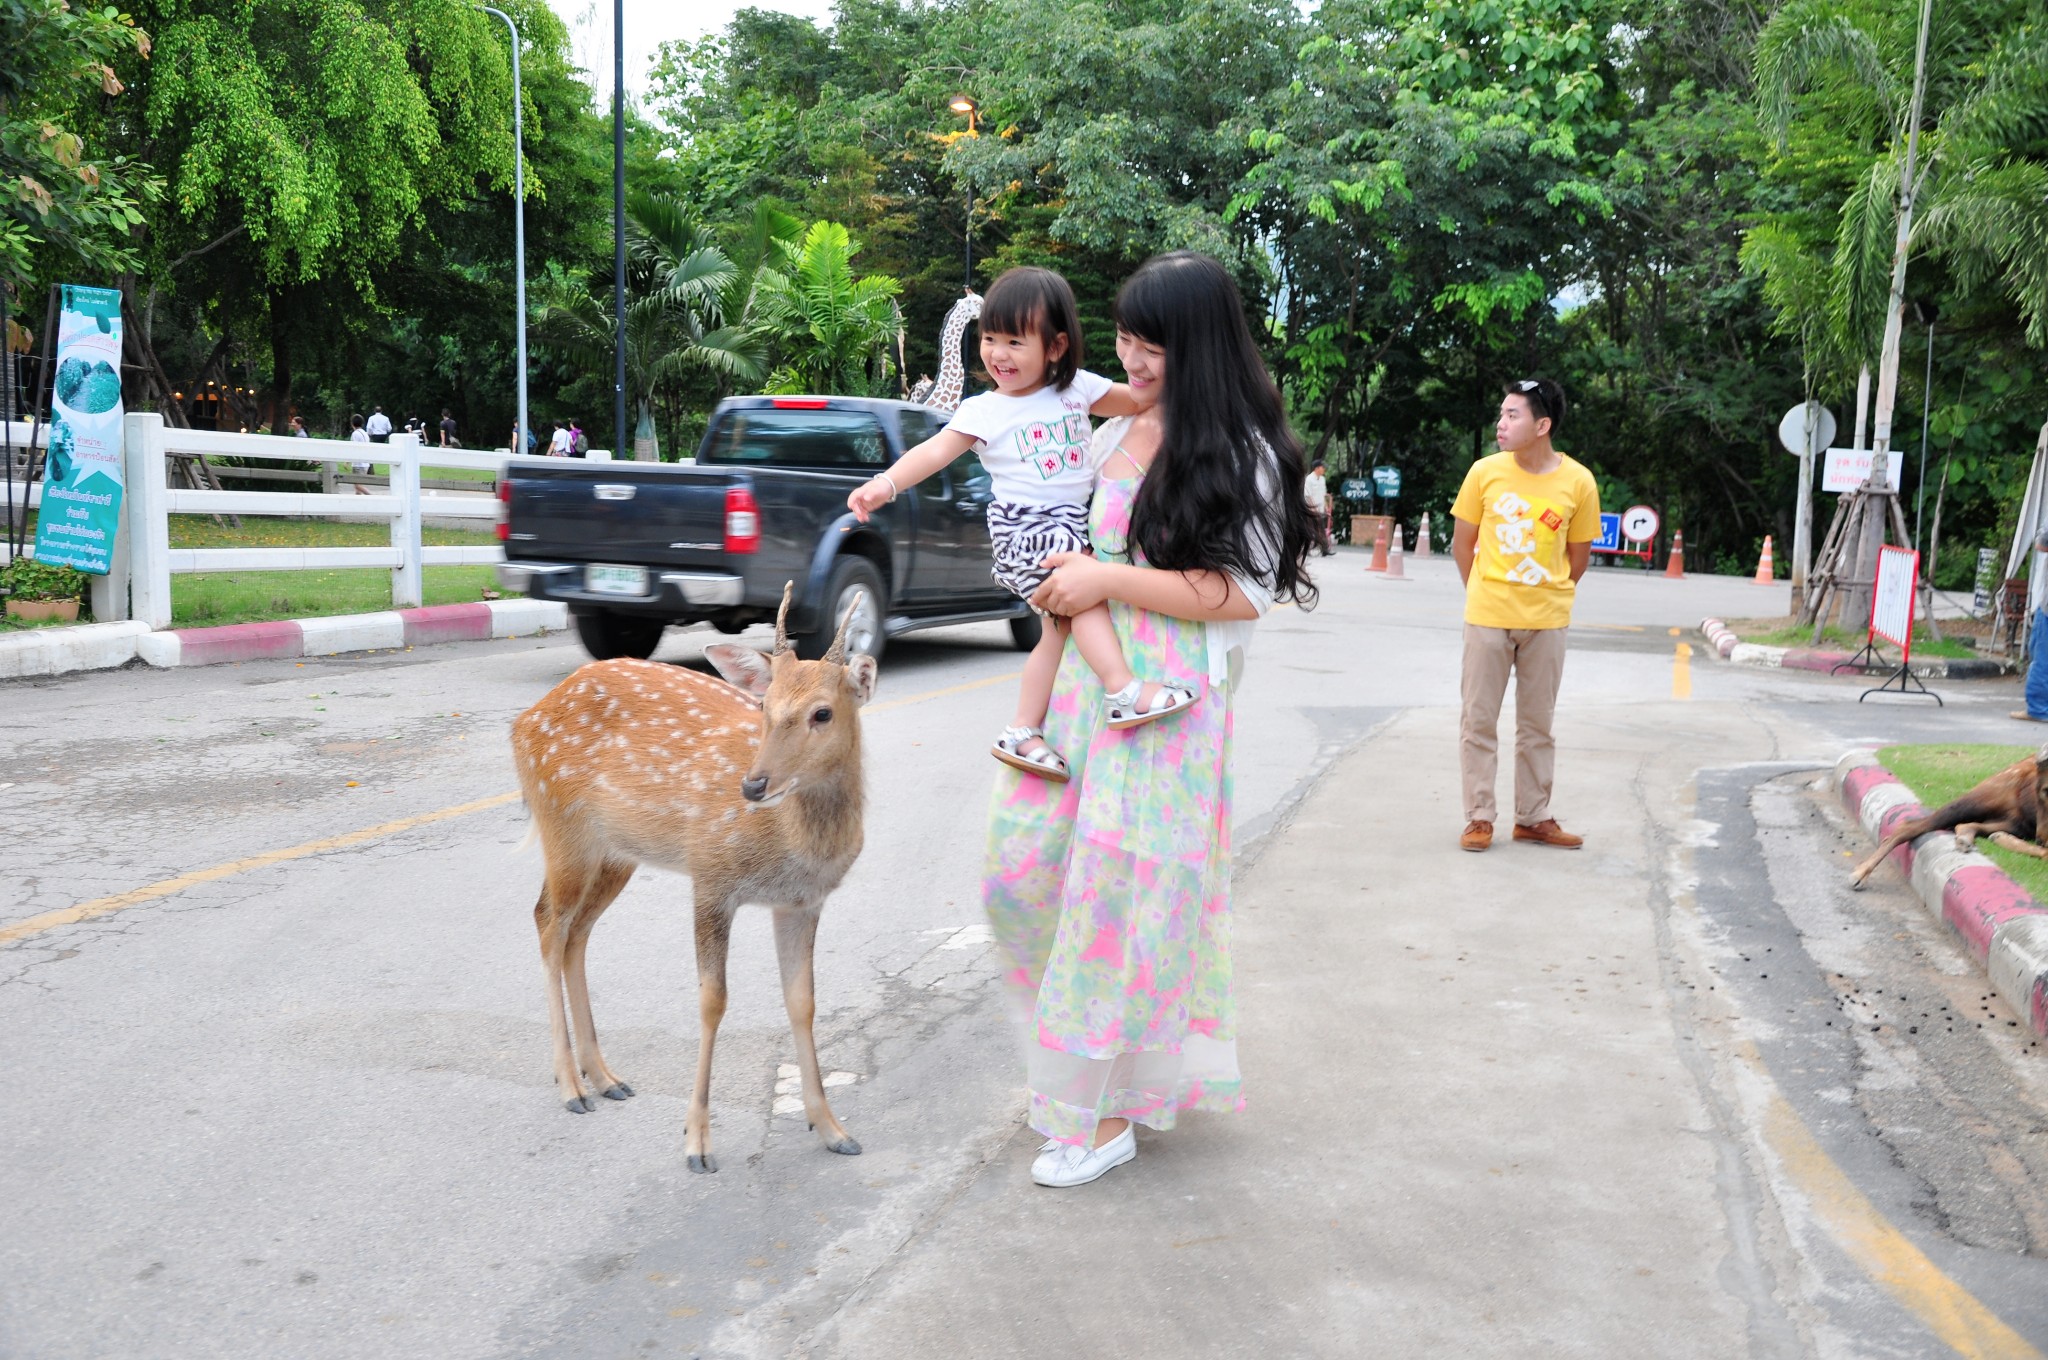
column 35, row 590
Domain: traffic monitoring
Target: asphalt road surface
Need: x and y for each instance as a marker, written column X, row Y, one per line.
column 274, row 1028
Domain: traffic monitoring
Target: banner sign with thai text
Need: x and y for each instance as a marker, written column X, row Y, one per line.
column 82, row 474
column 1891, row 602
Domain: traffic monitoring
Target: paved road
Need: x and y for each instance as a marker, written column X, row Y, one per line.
column 1672, row 1095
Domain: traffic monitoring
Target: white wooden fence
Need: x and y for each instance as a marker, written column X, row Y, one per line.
column 139, row 586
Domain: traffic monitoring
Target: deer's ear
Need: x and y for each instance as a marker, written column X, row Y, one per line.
column 743, row 666
column 860, row 674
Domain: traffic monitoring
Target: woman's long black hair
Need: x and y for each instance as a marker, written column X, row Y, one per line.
column 1205, row 505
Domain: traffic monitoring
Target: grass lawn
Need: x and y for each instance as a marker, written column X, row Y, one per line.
column 207, row 599
column 1836, row 640
column 1940, row 774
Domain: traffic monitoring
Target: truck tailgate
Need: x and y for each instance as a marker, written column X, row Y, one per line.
column 654, row 514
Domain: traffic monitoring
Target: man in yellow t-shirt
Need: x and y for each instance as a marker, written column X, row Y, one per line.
column 1523, row 530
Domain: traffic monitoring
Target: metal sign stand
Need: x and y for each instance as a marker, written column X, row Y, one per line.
column 1891, row 562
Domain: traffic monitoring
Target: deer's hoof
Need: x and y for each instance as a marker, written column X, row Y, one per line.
column 580, row 1105
column 618, row 1091
column 704, row 1163
column 1856, row 884
column 845, row 1147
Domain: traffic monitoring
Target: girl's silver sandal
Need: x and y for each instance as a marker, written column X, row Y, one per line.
column 1044, row 762
column 1125, row 712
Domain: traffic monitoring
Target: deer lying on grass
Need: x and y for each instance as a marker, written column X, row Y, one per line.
column 752, row 788
column 2011, row 807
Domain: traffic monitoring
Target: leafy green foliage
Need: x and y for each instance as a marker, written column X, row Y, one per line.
column 24, row 578
column 61, row 194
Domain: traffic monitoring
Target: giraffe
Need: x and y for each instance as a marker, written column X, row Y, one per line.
column 944, row 395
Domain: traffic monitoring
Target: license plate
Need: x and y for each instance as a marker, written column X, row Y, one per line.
column 615, row 580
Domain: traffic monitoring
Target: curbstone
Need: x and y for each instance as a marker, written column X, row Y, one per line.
column 1808, row 659
column 446, row 623
column 58, row 651
column 517, row 618
column 1719, row 636
column 351, row 633
column 2001, row 924
column 101, row 646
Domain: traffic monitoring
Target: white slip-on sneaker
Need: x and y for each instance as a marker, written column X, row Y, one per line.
column 1070, row 1164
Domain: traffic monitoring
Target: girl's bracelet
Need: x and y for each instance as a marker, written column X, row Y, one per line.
column 894, row 490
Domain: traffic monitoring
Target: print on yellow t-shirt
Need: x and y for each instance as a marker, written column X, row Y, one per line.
column 1521, row 573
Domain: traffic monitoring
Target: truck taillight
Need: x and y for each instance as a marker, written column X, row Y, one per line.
column 742, row 521
column 504, row 511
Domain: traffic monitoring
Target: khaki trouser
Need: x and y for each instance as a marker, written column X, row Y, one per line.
column 1536, row 656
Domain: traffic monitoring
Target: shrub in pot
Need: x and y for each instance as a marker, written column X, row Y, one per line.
column 37, row 590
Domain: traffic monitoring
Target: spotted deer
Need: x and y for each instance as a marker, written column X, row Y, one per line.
column 752, row 788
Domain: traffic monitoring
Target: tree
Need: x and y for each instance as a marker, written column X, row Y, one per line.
column 680, row 291
column 832, row 329
column 61, row 195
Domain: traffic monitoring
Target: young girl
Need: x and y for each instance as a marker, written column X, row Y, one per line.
column 1111, row 902
column 1032, row 434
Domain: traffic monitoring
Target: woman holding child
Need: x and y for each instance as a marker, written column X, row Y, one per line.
column 1109, row 891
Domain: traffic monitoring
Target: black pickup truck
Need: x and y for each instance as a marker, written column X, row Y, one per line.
column 634, row 547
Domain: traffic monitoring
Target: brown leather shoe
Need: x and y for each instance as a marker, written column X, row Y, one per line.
column 1477, row 836
column 1548, row 832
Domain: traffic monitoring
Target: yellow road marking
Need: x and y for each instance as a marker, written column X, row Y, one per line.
column 1681, row 671
column 1951, row 1312
column 1613, row 627
column 101, row 906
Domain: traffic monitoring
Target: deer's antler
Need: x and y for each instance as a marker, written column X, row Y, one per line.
column 836, row 653
column 782, row 618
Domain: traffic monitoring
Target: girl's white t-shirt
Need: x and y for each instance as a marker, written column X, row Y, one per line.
column 1035, row 447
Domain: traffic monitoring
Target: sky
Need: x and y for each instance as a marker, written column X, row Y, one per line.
column 649, row 23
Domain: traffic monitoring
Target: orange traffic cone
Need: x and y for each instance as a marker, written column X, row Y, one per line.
column 1422, row 548
column 1379, row 548
column 1675, row 568
column 1764, row 567
column 1394, row 572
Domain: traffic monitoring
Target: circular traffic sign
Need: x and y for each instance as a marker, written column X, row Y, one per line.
column 1639, row 523
column 1792, row 430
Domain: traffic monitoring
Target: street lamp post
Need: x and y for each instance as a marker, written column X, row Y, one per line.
column 518, row 220
column 965, row 105
column 619, row 226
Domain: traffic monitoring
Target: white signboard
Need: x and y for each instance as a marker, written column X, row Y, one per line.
column 1847, row 469
column 1891, row 603
column 1639, row 523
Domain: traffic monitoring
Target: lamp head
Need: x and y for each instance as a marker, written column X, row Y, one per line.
column 964, row 104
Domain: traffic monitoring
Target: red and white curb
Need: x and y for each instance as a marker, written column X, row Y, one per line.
column 98, row 646
column 1719, row 636
column 1743, row 653
column 1996, row 919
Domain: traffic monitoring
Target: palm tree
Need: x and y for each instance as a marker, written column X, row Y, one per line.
column 832, row 329
column 679, row 290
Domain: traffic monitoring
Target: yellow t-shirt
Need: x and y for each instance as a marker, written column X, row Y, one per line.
column 1521, row 577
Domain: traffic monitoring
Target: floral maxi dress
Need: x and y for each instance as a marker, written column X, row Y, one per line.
column 1109, row 895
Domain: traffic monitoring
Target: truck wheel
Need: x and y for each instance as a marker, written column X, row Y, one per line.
column 854, row 585
column 606, row 635
column 1026, row 630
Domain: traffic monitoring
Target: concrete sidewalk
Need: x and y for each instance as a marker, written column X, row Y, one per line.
column 1472, row 1126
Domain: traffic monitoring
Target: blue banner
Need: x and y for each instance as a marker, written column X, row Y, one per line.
column 82, row 471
